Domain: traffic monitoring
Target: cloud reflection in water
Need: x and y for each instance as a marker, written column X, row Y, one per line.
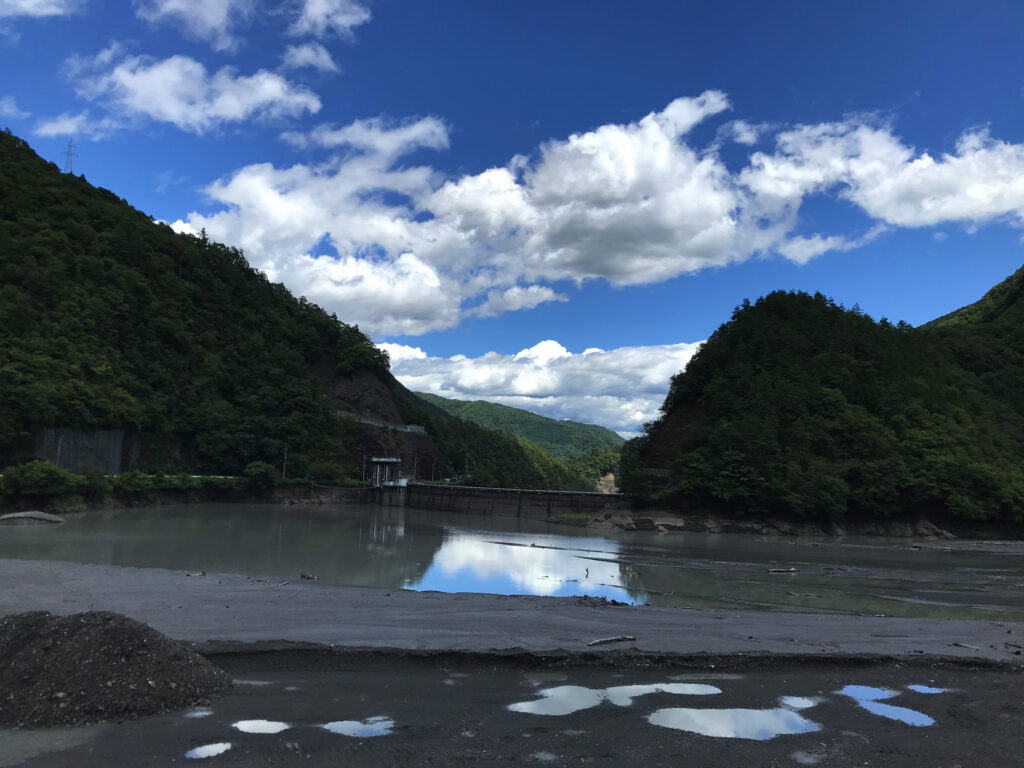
column 519, row 564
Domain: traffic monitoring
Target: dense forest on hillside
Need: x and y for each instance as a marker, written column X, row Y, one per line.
column 800, row 407
column 111, row 320
column 108, row 319
column 562, row 439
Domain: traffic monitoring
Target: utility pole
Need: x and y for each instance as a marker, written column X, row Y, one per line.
column 284, row 463
column 68, row 155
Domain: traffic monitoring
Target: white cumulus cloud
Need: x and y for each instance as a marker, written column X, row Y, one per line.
column 322, row 17
column 870, row 167
column 619, row 388
column 9, row 108
column 38, row 8
column 311, row 55
column 81, row 124
column 180, row 91
column 515, row 298
column 629, row 203
column 214, row 21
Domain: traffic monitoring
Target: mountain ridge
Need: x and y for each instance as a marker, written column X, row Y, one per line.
column 563, row 439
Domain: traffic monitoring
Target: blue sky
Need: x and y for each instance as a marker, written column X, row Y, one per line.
column 550, row 204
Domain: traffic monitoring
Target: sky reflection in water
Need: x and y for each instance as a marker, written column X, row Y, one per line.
column 208, row 750
column 566, row 699
column 371, row 726
column 526, row 564
column 756, row 724
column 870, row 699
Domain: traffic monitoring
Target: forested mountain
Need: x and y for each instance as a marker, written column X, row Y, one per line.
column 109, row 320
column 562, row 439
column 799, row 407
column 1002, row 306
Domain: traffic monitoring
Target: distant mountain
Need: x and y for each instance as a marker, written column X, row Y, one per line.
column 799, row 407
column 562, row 439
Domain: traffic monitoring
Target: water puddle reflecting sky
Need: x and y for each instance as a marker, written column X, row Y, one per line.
column 208, row 750
column 260, row 726
column 566, row 699
column 526, row 564
column 371, row 726
column 925, row 689
column 871, row 699
column 756, row 724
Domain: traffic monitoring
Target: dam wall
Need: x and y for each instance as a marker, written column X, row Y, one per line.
column 501, row 501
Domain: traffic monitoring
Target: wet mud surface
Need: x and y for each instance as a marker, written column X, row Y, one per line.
column 442, row 709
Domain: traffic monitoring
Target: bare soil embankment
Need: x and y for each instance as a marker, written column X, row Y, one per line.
column 95, row 667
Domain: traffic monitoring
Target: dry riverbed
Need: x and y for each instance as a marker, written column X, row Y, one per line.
column 470, row 679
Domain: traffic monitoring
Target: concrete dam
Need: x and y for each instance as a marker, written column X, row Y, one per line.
column 512, row 502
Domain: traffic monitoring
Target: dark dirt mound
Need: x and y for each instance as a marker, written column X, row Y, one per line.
column 93, row 667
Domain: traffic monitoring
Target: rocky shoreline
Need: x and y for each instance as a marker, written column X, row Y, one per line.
column 666, row 522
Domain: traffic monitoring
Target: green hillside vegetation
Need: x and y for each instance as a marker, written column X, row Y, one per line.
column 111, row 320
column 1002, row 305
column 596, row 464
column 487, row 457
column 562, row 439
column 799, row 407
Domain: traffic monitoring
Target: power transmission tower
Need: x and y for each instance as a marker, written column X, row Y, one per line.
column 68, row 155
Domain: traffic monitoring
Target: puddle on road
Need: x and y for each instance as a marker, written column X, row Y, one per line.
column 797, row 702
column 623, row 695
column 925, row 689
column 208, row 750
column 371, row 726
column 566, row 699
column 194, row 714
column 755, row 724
column 260, row 726
column 871, row 699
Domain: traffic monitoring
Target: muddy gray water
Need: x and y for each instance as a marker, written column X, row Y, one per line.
column 398, row 548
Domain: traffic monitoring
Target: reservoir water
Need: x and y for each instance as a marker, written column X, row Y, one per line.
column 402, row 548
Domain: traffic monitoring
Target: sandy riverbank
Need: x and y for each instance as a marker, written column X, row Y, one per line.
column 216, row 609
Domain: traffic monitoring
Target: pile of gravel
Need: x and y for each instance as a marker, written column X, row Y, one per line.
column 94, row 667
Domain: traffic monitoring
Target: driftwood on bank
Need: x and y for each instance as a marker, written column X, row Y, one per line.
column 616, row 639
